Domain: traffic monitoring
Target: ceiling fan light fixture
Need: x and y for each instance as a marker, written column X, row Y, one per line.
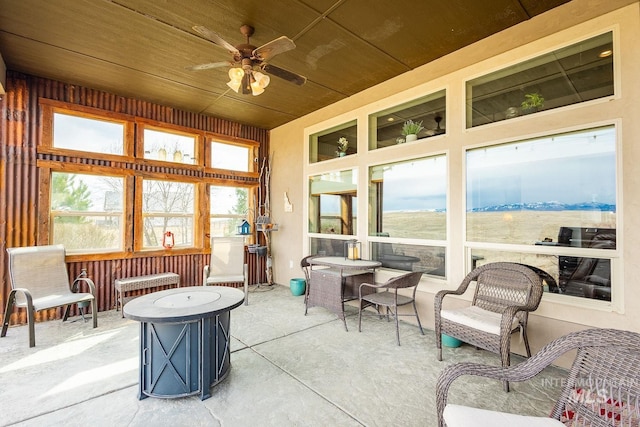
column 234, row 85
column 236, row 74
column 256, row 88
column 261, row 79
column 246, row 83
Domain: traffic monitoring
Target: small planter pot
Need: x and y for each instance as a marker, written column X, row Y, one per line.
column 297, row 286
column 411, row 138
column 449, row 341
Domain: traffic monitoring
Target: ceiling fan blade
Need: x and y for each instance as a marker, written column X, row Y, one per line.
column 273, row 48
column 208, row 34
column 284, row 74
column 210, row 65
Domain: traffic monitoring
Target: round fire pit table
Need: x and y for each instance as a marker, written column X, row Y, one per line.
column 184, row 339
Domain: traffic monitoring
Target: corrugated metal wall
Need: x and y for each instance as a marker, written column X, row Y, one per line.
column 20, row 133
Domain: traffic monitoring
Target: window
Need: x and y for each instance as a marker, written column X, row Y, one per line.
column 333, row 203
column 577, row 73
column 89, row 134
column 334, row 143
column 229, row 207
column 86, row 212
column 167, row 206
column 429, row 111
column 557, row 193
column 408, row 200
column 169, row 146
column 230, row 156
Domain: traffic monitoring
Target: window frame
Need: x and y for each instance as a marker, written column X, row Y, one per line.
column 141, row 145
column 50, row 107
column 122, row 215
column 613, row 255
column 252, row 155
column 134, row 168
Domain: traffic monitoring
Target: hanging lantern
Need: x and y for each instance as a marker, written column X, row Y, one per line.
column 167, row 240
column 352, row 249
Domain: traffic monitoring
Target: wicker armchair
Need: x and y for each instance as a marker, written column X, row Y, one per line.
column 390, row 299
column 602, row 387
column 504, row 295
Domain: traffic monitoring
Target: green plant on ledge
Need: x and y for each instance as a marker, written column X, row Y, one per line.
column 411, row 128
column 343, row 145
column 532, row 102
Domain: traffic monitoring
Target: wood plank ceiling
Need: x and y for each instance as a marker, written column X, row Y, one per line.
column 142, row 48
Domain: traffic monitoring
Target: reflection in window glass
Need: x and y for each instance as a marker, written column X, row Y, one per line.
column 409, row 199
column 229, row 207
column 169, row 146
column 525, row 192
column 333, row 203
column 386, row 126
column 334, row 143
column 327, row 247
column 87, row 134
column 398, row 256
column 87, row 212
column 574, row 276
column 167, row 206
column 229, row 156
column 577, row 73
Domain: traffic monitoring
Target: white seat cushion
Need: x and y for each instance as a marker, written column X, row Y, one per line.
column 227, row 278
column 465, row 416
column 477, row 318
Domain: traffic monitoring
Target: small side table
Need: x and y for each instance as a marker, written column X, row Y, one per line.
column 184, row 339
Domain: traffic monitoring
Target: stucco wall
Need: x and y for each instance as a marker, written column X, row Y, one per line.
column 574, row 21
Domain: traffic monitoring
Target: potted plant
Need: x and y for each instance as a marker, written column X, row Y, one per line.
column 343, row 145
column 532, row 102
column 410, row 130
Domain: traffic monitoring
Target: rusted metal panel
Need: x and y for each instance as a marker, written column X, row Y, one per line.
column 20, row 132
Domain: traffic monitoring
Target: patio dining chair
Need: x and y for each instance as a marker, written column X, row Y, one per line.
column 387, row 296
column 503, row 296
column 306, row 267
column 226, row 265
column 602, row 388
column 39, row 281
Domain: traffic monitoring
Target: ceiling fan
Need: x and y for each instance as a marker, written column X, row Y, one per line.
column 249, row 62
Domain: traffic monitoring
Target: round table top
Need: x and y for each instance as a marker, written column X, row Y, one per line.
column 341, row 262
column 183, row 304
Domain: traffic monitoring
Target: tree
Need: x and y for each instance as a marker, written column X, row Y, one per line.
column 69, row 195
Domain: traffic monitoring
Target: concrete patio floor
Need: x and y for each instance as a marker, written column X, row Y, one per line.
column 288, row 369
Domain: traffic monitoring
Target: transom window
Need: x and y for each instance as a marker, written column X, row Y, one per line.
column 573, row 74
column 89, row 134
column 230, row 156
column 387, row 126
column 336, row 142
column 169, row 146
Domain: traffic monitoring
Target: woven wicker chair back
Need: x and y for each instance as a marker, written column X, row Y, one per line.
column 604, row 377
column 408, row 280
column 500, row 285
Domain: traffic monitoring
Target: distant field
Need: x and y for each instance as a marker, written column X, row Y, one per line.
column 521, row 227
column 518, row 227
